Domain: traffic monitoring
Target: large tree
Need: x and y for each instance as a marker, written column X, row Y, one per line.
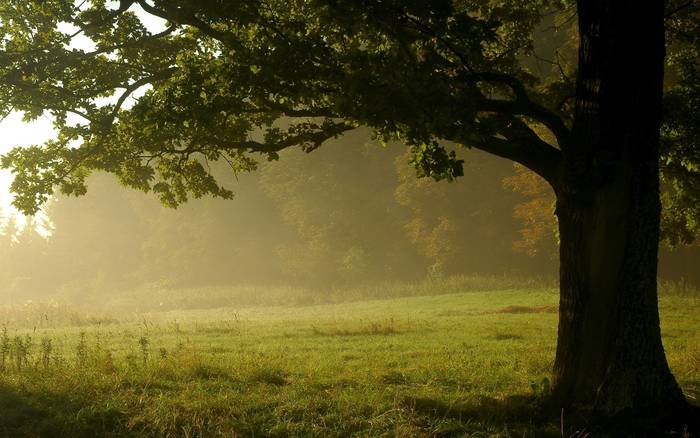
column 226, row 80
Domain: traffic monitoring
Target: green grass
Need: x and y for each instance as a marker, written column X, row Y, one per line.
column 467, row 364
column 162, row 297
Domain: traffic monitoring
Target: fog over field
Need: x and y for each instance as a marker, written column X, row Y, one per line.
column 351, row 214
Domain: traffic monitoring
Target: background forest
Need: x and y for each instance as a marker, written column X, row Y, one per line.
column 353, row 215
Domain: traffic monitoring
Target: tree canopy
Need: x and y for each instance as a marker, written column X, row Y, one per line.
column 240, row 81
column 235, row 81
column 226, row 80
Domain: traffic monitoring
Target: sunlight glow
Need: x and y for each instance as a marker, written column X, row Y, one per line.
column 14, row 132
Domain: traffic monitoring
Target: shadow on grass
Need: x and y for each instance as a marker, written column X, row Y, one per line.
column 517, row 415
column 54, row 415
column 531, row 416
column 528, row 309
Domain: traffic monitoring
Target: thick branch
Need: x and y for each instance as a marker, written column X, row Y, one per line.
column 517, row 142
column 131, row 88
column 521, row 106
column 310, row 141
column 314, row 139
column 674, row 11
column 182, row 17
column 532, row 110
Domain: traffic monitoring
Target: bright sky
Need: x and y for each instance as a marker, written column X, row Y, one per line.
column 14, row 132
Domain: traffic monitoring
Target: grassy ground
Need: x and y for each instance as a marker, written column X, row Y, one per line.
column 468, row 364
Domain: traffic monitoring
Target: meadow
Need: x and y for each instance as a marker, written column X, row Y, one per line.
column 455, row 364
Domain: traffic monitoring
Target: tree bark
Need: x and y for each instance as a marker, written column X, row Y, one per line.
column 609, row 353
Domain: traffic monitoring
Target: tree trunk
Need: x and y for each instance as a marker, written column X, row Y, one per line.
column 609, row 353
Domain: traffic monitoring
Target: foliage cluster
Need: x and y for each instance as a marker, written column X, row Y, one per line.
column 214, row 83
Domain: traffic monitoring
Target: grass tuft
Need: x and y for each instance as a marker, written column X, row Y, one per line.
column 371, row 328
column 269, row 375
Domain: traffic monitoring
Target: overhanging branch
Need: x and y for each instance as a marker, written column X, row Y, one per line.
column 182, row 17
column 308, row 140
column 532, row 110
column 131, row 88
column 522, row 105
column 514, row 141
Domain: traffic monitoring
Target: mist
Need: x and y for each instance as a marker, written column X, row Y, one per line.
column 351, row 215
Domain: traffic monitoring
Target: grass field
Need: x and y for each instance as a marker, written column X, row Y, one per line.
column 464, row 364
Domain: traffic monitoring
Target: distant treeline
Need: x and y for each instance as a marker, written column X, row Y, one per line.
column 351, row 214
